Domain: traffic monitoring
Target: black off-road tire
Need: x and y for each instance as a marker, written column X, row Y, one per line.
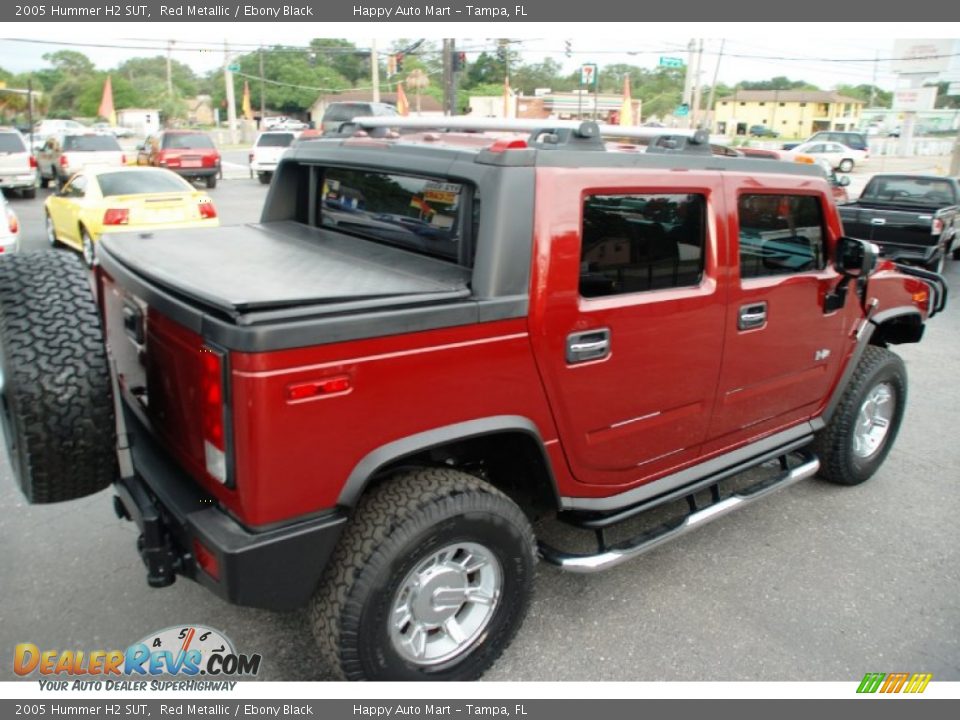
column 835, row 443
column 395, row 527
column 56, row 406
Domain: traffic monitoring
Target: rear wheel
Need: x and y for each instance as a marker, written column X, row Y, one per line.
column 853, row 446
column 846, row 165
column 28, row 193
column 56, row 406
column 51, row 232
column 430, row 581
column 937, row 264
column 211, row 181
column 264, row 178
column 86, row 247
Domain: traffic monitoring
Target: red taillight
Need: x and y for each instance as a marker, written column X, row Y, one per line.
column 937, row 227
column 211, row 160
column 116, row 216
column 212, row 413
column 206, row 559
column 123, row 159
column 13, row 223
column 251, row 157
column 33, row 163
column 207, row 210
column 63, row 161
column 506, row 144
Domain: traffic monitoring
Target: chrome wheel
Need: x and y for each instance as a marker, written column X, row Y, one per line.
column 445, row 603
column 87, row 248
column 873, row 421
column 51, row 233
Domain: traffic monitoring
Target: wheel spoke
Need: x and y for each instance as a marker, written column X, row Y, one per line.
column 417, row 642
column 454, row 631
column 479, row 597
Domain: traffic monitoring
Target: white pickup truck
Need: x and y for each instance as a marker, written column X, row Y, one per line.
column 64, row 154
column 266, row 152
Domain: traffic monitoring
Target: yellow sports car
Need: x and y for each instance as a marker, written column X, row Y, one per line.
column 119, row 199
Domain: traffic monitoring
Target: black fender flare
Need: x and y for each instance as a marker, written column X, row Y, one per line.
column 394, row 451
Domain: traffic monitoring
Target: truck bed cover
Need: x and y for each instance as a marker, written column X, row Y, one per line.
column 245, row 269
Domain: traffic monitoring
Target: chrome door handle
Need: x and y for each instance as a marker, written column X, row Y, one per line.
column 752, row 316
column 878, row 221
column 589, row 345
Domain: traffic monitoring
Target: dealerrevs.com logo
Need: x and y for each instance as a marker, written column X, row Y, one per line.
column 181, row 651
column 895, row 682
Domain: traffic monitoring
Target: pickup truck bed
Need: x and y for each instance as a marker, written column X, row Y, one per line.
column 236, row 272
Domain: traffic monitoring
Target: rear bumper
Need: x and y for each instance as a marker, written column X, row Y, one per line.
column 17, row 181
column 193, row 172
column 263, row 166
column 276, row 568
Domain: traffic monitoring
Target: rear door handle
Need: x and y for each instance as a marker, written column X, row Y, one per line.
column 878, row 221
column 589, row 345
column 752, row 316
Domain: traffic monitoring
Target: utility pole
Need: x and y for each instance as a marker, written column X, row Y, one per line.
column 169, row 68
column 453, row 78
column 713, row 88
column 375, row 71
column 231, row 100
column 263, row 102
column 955, row 157
column 447, row 72
column 697, row 86
column 30, row 108
column 688, row 80
column 873, row 84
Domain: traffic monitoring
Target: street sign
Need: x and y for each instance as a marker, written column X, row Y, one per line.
column 670, row 62
column 682, row 110
column 233, row 67
column 588, row 74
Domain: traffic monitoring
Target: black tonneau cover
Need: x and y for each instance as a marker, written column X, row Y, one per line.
column 285, row 266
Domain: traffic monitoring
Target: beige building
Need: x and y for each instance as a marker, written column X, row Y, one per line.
column 790, row 113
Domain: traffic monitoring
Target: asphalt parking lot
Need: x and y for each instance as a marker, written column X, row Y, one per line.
column 817, row 582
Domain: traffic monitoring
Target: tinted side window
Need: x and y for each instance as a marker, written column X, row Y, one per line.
column 633, row 243
column 780, row 234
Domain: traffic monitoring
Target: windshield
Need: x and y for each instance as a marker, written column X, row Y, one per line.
column 342, row 112
column 187, row 141
column 90, row 143
column 275, row 140
column 11, row 143
column 911, row 190
column 415, row 213
column 134, row 182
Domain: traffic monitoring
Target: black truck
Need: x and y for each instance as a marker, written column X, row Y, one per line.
column 913, row 218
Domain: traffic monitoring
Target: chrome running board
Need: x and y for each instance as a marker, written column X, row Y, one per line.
column 614, row 555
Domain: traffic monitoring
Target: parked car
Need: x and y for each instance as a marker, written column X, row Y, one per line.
column 282, row 122
column 64, row 154
column 763, row 131
column 362, row 403
column 854, row 140
column 101, row 200
column 189, row 153
column 839, row 156
column 266, row 152
column 9, row 228
column 115, row 130
column 18, row 166
column 338, row 113
column 912, row 218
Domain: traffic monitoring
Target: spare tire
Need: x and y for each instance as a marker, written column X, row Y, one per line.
column 56, row 403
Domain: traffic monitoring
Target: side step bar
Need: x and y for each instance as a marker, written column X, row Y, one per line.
column 616, row 554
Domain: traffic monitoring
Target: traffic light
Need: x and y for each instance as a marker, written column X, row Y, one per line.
column 459, row 61
column 399, row 61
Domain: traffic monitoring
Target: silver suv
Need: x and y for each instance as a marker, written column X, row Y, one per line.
column 18, row 167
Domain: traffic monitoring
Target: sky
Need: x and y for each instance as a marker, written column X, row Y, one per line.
column 825, row 55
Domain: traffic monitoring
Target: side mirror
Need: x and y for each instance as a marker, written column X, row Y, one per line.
column 855, row 258
column 843, row 180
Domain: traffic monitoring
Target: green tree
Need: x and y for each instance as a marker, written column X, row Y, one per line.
column 88, row 99
column 779, row 82
column 152, row 69
column 881, row 98
column 343, row 57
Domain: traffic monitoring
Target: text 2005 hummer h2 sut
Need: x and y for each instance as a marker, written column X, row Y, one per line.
column 431, row 340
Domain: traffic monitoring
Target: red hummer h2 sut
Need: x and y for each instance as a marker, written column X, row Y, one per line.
column 433, row 339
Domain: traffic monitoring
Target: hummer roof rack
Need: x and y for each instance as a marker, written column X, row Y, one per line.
column 543, row 133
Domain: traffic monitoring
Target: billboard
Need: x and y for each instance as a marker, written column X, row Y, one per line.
column 914, row 99
column 924, row 56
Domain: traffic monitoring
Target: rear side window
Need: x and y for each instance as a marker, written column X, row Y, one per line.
column 427, row 216
column 275, row 140
column 638, row 242
column 780, row 234
column 11, row 143
column 90, row 143
column 187, row 141
column 915, row 190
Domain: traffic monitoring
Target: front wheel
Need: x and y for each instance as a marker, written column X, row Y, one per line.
column 430, row 581
column 853, row 446
column 846, row 165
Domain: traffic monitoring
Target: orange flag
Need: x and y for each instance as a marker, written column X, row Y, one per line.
column 247, row 110
column 106, row 110
column 626, row 109
column 403, row 106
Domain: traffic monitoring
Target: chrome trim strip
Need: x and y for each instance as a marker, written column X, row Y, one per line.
column 691, row 474
column 644, row 543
